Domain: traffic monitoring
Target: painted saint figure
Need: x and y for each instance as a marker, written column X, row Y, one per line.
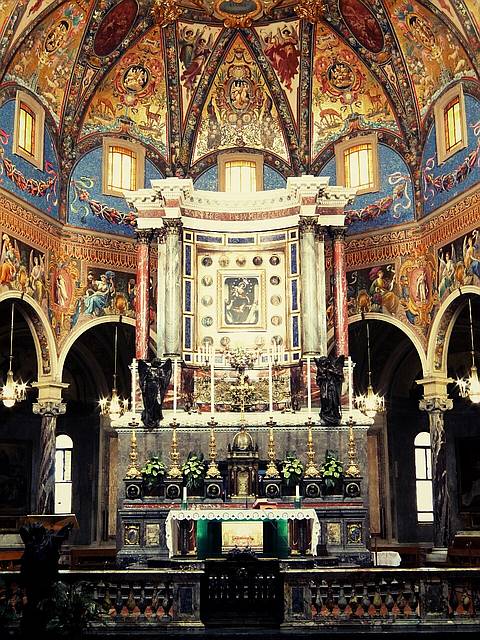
column 154, row 380
column 282, row 51
column 329, row 381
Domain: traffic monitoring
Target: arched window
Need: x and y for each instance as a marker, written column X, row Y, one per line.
column 63, row 474
column 423, row 477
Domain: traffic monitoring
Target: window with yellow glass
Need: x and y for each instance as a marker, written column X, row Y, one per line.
column 121, row 169
column 453, row 124
column 450, row 123
column 26, row 129
column 240, row 176
column 358, row 165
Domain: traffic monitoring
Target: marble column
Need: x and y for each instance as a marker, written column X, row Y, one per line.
column 321, row 290
column 173, row 287
column 340, row 318
column 307, row 226
column 161, row 270
column 142, row 297
column 46, row 476
column 436, row 407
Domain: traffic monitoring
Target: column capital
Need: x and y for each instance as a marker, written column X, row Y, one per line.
column 436, row 404
column 307, row 224
column 338, row 233
column 172, row 226
column 49, row 391
column 320, row 232
column 49, row 408
column 144, row 236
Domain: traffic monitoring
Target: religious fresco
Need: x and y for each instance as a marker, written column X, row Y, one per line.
column 406, row 291
column 343, row 90
column 195, row 44
column 22, row 268
column 459, row 263
column 20, row 177
column 392, row 204
column 441, row 183
column 363, row 24
column 434, row 56
column 33, row 9
column 281, row 45
column 114, row 27
column 239, row 110
column 88, row 207
column 45, row 59
column 133, row 93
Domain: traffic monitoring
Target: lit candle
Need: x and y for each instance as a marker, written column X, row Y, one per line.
column 270, row 382
column 212, row 383
column 350, row 384
column 309, row 387
column 175, row 364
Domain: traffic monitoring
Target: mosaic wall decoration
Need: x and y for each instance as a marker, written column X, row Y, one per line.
column 281, row 45
column 457, row 174
column 20, row 177
column 434, row 56
column 89, row 207
column 134, row 91
column 114, row 27
column 239, row 110
column 472, row 6
column 392, row 204
column 45, row 59
column 459, row 263
column 343, row 89
column 23, row 268
column 446, row 7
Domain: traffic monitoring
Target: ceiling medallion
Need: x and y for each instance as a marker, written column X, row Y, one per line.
column 165, row 12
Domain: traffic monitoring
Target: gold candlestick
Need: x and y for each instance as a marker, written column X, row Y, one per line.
column 353, row 470
column 311, row 470
column 213, row 471
column 133, row 472
column 272, row 469
column 174, row 470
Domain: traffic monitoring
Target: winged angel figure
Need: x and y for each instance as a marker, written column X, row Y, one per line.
column 154, row 380
column 329, row 381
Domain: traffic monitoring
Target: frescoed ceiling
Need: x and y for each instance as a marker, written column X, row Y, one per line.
column 247, row 74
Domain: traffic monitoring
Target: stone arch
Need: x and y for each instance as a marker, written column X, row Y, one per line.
column 44, row 340
column 442, row 327
column 85, row 326
column 396, row 323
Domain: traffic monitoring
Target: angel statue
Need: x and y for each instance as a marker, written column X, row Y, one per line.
column 329, row 381
column 154, row 380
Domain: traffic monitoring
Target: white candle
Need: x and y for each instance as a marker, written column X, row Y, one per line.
column 270, row 383
column 350, row 384
column 297, row 492
column 212, row 384
column 184, row 498
column 134, row 385
column 309, row 386
column 175, row 363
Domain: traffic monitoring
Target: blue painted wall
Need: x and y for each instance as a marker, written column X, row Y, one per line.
column 272, row 179
column 85, row 194
column 47, row 202
column 393, row 174
column 455, row 178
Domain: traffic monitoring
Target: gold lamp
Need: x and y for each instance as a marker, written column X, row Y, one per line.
column 115, row 406
column 469, row 387
column 12, row 391
column 370, row 403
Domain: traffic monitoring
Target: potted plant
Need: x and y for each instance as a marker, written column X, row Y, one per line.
column 153, row 473
column 291, row 470
column 331, row 471
column 193, row 471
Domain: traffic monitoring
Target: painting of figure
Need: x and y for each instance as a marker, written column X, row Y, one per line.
column 281, row 48
column 241, row 301
column 459, row 263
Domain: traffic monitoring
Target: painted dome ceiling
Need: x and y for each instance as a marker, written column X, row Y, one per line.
column 238, row 73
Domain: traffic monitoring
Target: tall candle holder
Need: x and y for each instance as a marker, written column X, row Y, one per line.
column 311, row 471
column 174, row 471
column 272, row 469
column 213, row 471
column 352, row 470
column 133, row 472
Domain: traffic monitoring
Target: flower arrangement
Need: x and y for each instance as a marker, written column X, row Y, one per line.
column 193, row 471
column 291, row 470
column 152, row 473
column 241, row 359
column 331, row 470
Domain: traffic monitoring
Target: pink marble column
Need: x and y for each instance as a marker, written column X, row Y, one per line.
column 142, row 302
column 46, row 474
column 340, row 318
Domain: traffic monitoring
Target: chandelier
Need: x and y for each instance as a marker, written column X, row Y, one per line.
column 165, row 12
column 12, row 391
column 370, row 403
column 114, row 406
column 469, row 387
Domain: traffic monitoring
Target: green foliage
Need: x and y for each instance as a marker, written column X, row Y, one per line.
column 68, row 610
column 193, row 471
column 291, row 470
column 153, row 473
column 331, row 469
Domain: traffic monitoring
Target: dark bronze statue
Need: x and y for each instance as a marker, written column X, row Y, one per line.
column 329, row 381
column 154, row 380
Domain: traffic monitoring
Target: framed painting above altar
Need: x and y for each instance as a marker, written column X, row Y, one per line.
column 241, row 300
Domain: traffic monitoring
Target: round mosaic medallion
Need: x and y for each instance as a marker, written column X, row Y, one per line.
column 257, row 261
column 241, row 260
column 207, row 321
column 274, row 260
column 276, row 321
column 274, row 280
column 207, row 281
column 275, row 300
column 57, row 35
column 135, row 78
column 278, row 340
column 207, row 261
column 207, row 340
column 260, row 342
column 225, row 342
column 207, row 300
column 223, row 261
